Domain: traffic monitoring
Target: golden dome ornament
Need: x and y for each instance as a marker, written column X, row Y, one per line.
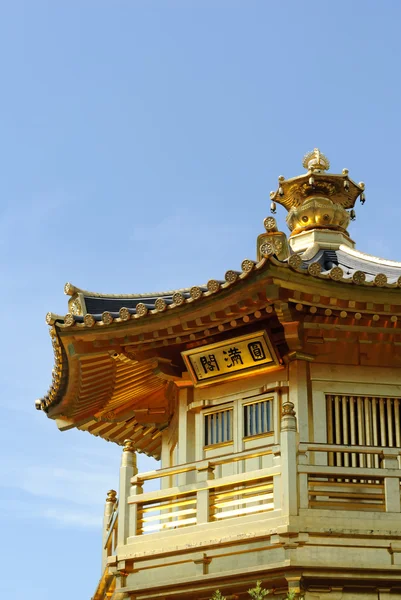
column 318, row 199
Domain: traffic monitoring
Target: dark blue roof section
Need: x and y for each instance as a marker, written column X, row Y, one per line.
column 96, row 305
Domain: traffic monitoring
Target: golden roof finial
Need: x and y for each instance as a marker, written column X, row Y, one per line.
column 318, row 199
column 316, row 161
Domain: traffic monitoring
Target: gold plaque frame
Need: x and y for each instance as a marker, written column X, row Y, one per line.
column 230, row 359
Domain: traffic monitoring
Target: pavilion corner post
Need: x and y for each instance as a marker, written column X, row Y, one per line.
column 127, row 470
column 288, row 451
column 111, row 500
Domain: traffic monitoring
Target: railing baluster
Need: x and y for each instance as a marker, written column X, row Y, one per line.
column 361, row 430
column 375, row 430
column 390, row 422
column 338, row 429
column 345, row 427
column 383, row 439
column 353, row 429
column 368, row 429
column 397, row 422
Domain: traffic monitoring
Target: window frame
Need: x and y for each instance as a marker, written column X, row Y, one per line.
column 239, row 441
column 215, row 410
column 266, row 398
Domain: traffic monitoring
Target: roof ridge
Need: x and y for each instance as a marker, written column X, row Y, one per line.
column 369, row 257
column 70, row 290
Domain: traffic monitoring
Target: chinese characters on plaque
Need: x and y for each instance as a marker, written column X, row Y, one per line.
column 231, row 356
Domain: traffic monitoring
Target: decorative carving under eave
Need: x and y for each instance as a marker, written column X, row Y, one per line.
column 165, row 370
column 298, row 355
column 293, row 327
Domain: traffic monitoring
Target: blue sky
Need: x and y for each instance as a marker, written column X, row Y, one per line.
column 139, row 143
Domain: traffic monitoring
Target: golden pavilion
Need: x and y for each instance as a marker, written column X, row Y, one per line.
column 272, row 399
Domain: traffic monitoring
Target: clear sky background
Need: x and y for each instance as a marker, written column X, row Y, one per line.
column 139, row 143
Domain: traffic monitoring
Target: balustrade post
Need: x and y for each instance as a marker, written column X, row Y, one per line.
column 111, row 500
column 204, row 473
column 127, row 470
column 303, row 480
column 391, row 484
column 288, row 447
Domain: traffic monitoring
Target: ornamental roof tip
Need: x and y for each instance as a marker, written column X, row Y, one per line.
column 318, row 199
column 315, row 160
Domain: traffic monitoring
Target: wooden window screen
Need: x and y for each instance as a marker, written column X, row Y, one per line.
column 219, row 427
column 258, row 418
column 362, row 421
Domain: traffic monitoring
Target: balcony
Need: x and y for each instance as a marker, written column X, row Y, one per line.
column 300, row 489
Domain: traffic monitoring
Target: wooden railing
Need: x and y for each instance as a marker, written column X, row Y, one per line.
column 373, row 488
column 168, row 512
column 199, row 497
column 202, row 465
column 235, row 500
column 295, row 477
column 356, row 494
column 206, row 500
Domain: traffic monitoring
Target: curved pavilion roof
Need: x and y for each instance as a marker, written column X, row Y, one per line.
column 114, row 366
column 118, row 362
column 90, row 308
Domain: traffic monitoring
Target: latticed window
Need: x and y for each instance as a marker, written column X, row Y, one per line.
column 362, row 421
column 219, row 427
column 258, row 418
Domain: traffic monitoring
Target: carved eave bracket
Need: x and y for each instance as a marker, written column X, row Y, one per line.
column 293, row 330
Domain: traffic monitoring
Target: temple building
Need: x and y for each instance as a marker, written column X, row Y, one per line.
column 272, row 399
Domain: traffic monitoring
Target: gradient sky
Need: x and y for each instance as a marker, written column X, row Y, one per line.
column 139, row 143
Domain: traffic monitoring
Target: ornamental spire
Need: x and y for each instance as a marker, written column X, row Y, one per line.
column 317, row 199
column 316, row 161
